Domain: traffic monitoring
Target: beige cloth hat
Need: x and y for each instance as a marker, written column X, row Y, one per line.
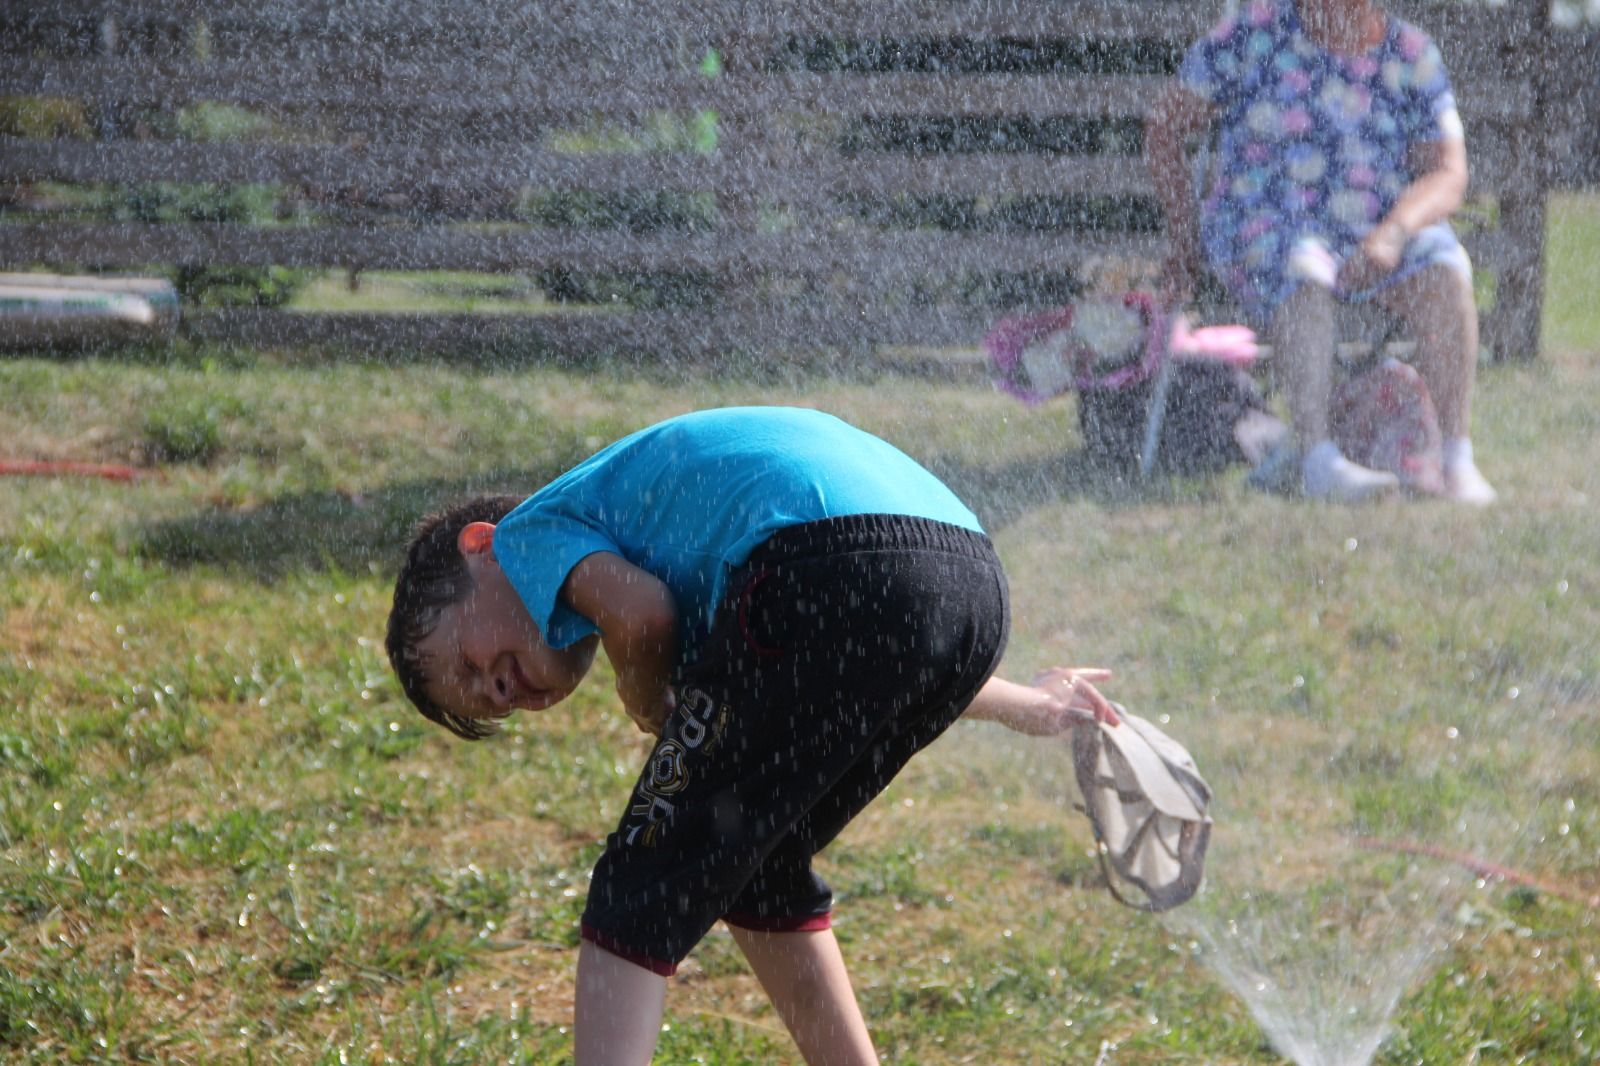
column 1148, row 805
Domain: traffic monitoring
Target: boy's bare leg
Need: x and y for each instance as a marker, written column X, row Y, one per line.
column 618, row 1015
column 805, row 977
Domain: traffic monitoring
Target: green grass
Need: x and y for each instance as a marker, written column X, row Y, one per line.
column 446, row 291
column 225, row 837
column 1572, row 273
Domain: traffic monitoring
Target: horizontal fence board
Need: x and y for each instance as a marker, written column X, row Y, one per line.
column 650, row 334
column 602, row 18
column 668, row 19
column 895, row 255
column 517, row 136
column 419, row 166
column 814, row 175
column 276, row 81
column 1475, row 39
column 422, row 87
column 899, row 254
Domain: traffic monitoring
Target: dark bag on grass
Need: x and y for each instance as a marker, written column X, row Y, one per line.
column 1206, row 403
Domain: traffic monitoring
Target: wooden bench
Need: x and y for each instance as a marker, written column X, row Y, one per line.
column 843, row 174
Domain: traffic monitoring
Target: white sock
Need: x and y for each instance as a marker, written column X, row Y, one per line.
column 1457, row 450
column 1462, row 479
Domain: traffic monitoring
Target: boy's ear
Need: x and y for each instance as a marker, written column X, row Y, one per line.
column 476, row 538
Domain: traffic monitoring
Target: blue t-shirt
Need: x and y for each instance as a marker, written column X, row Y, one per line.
column 689, row 498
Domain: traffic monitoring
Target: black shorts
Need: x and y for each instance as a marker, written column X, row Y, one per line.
column 841, row 649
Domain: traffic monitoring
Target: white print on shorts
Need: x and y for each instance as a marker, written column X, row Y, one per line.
column 697, row 723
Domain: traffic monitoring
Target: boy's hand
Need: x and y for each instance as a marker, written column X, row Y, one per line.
column 649, row 715
column 1075, row 695
column 1058, row 699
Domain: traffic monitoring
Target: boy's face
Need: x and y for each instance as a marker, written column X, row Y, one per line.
column 486, row 657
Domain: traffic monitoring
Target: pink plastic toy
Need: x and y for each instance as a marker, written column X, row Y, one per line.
column 1040, row 356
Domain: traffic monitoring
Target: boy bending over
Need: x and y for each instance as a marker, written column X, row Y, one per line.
column 795, row 608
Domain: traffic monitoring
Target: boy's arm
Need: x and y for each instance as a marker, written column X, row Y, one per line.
column 638, row 622
column 1057, row 697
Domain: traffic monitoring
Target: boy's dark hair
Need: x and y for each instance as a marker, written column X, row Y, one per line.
column 433, row 577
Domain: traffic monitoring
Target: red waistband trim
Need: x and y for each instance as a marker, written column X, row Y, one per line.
column 606, row 943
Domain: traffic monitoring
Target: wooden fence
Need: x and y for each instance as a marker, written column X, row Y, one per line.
column 839, row 172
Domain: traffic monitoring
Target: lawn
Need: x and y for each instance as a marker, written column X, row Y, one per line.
column 225, row 837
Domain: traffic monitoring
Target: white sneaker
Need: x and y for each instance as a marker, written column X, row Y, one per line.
column 1462, row 480
column 1327, row 475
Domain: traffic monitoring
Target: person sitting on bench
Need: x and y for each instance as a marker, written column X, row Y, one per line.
column 1340, row 159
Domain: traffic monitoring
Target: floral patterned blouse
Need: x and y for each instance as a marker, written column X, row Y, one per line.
column 1312, row 149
